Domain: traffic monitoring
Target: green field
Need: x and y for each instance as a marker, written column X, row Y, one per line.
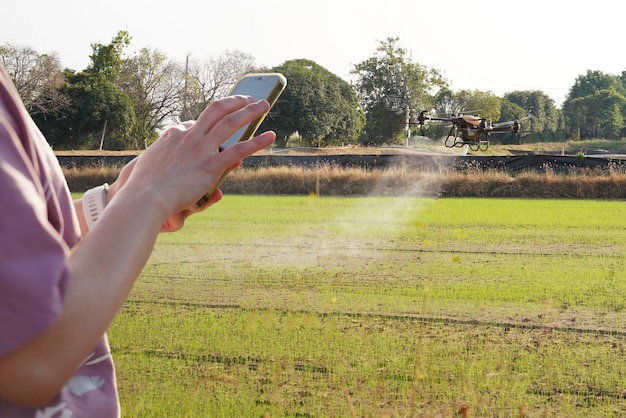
column 318, row 306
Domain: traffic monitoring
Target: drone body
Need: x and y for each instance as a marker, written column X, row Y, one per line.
column 471, row 130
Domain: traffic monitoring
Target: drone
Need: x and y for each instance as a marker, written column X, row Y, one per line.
column 470, row 129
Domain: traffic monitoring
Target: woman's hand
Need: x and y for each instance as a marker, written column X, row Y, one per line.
column 185, row 161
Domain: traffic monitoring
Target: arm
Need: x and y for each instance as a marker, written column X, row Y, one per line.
column 160, row 187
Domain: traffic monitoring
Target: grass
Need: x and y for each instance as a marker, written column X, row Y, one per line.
column 380, row 306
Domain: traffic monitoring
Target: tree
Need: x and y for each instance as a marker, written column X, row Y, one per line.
column 99, row 107
column 153, row 83
column 320, row 106
column 602, row 115
column 387, row 84
column 486, row 104
column 510, row 111
column 546, row 122
column 592, row 81
column 107, row 59
column 610, row 105
column 38, row 79
column 212, row 79
column 447, row 103
column 596, row 106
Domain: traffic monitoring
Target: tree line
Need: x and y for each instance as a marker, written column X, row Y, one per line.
column 123, row 102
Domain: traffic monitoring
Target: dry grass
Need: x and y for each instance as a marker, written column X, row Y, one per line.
column 583, row 183
column 81, row 179
column 330, row 180
column 400, row 181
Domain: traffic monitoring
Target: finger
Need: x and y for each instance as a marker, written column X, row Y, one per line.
column 217, row 110
column 176, row 222
column 245, row 148
column 216, row 196
column 231, row 123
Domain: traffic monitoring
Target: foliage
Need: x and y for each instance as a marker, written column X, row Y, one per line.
column 321, row 107
column 100, row 109
column 388, row 83
column 511, row 111
column 38, row 79
column 107, row 59
column 154, row 91
column 212, row 79
column 596, row 106
column 545, row 121
column 153, row 83
column 475, row 101
column 587, row 84
column 447, row 103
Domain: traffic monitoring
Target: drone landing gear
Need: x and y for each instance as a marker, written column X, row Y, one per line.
column 473, row 145
column 453, row 141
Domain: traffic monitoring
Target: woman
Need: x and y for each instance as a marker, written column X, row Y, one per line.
column 66, row 267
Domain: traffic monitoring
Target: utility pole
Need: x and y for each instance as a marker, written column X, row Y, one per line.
column 104, row 129
column 185, row 114
column 407, row 127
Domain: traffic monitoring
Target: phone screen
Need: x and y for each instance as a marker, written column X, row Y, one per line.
column 259, row 86
column 266, row 86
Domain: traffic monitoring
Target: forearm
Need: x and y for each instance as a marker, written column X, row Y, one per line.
column 111, row 256
column 103, row 268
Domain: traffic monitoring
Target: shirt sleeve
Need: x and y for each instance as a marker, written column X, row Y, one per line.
column 33, row 253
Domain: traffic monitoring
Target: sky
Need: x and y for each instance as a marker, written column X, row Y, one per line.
column 487, row 45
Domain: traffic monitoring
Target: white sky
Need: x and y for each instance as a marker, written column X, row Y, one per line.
column 488, row 45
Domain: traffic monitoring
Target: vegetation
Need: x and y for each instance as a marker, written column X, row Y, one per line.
column 150, row 80
column 470, row 180
column 117, row 103
column 304, row 306
column 389, row 85
column 545, row 122
column 596, row 106
column 123, row 102
column 321, row 107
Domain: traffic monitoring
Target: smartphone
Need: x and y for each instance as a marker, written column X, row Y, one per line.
column 266, row 86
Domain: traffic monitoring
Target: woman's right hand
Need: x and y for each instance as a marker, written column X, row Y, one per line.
column 185, row 161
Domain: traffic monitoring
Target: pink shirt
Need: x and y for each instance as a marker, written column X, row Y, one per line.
column 38, row 227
